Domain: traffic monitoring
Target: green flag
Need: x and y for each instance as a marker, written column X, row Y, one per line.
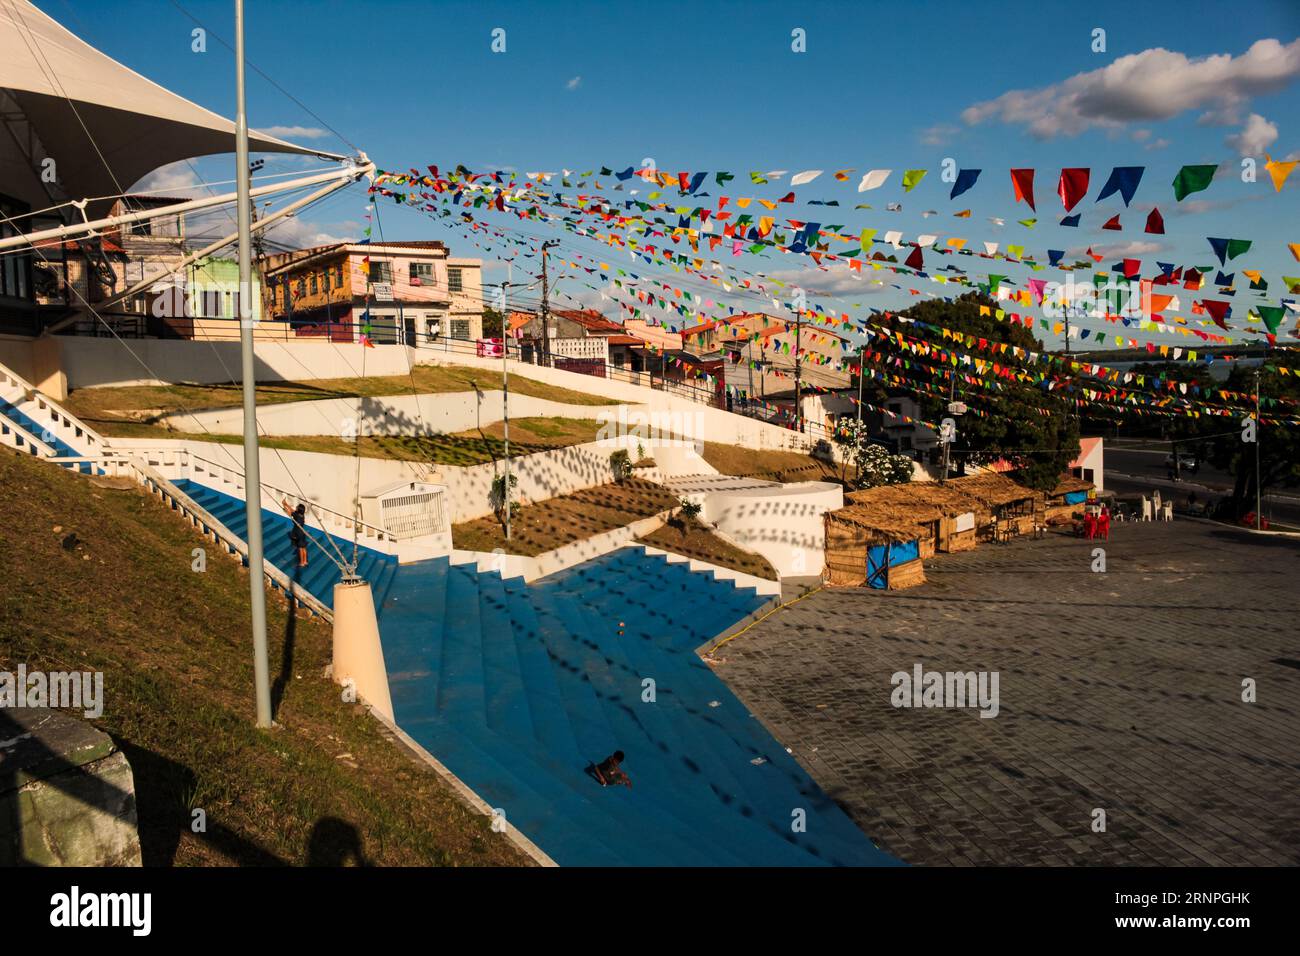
column 911, row 178
column 1272, row 316
column 1192, row 179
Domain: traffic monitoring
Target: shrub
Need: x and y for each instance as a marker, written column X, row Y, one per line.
column 621, row 465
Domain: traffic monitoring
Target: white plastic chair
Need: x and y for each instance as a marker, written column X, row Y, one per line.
column 1167, row 511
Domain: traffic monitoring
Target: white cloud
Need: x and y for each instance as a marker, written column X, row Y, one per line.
column 295, row 132
column 938, row 134
column 1255, row 136
column 574, row 83
column 170, row 180
column 301, row 234
column 1156, row 84
column 1115, row 250
column 832, row 281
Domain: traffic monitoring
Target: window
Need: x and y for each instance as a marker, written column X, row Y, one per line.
column 301, row 288
column 422, row 273
column 460, row 328
column 313, row 283
column 325, row 281
column 15, row 268
column 339, row 276
column 454, row 281
column 380, row 272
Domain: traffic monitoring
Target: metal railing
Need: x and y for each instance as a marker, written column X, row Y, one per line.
column 234, row 476
column 74, row 431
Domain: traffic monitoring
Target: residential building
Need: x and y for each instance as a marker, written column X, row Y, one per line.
column 581, row 340
column 411, row 292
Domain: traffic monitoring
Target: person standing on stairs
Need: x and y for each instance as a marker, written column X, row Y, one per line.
column 298, row 534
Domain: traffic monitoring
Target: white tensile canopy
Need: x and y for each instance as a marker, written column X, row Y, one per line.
column 104, row 125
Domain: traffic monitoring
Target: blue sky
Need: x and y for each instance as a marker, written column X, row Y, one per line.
column 707, row 86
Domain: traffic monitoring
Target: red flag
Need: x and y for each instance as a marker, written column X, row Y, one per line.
column 1022, row 181
column 1112, row 223
column 1156, row 222
column 1073, row 186
column 914, row 259
column 1218, row 311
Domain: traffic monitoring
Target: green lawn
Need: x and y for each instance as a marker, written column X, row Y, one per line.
column 326, row 784
column 124, row 411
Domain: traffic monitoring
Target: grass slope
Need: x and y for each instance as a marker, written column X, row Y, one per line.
column 128, row 412
column 549, row 524
column 327, row 786
column 691, row 539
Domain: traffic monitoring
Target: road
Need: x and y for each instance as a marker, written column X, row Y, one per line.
column 1136, row 467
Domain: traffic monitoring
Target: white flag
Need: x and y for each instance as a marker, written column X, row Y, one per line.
column 874, row 179
column 807, row 176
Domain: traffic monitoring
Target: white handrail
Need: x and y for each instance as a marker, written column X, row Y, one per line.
column 147, row 476
column 92, row 437
column 340, row 519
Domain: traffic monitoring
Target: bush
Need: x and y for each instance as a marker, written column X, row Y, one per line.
column 621, row 465
column 497, row 497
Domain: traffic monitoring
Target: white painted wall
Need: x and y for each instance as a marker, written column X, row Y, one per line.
column 426, row 414
column 783, row 524
column 91, row 362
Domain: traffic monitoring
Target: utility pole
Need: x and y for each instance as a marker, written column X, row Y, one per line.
column 1258, row 477
column 798, row 405
column 861, row 351
column 948, row 440
column 252, row 463
column 546, row 307
column 505, row 391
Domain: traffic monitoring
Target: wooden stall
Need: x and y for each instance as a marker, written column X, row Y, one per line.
column 1065, row 500
column 865, row 550
column 945, row 515
column 1006, row 508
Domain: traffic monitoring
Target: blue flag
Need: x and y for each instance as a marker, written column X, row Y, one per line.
column 965, row 180
column 1123, row 180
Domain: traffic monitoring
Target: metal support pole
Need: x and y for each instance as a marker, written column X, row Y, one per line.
column 505, row 391
column 1259, row 478
column 252, row 469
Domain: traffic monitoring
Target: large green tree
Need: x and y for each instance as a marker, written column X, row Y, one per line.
column 1034, row 429
column 1278, row 444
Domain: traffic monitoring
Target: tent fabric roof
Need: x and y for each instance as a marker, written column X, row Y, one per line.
column 81, row 104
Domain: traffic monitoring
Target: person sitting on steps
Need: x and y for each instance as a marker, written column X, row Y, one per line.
column 609, row 772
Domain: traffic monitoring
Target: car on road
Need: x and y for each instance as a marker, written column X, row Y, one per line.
column 1187, row 463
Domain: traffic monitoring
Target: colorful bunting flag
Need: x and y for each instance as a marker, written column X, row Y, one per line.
column 1192, row 179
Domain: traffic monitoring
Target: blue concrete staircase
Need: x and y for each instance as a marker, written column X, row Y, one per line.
column 518, row 688
column 10, row 411
column 321, row 573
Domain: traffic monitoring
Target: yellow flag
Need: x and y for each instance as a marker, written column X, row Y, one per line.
column 1278, row 171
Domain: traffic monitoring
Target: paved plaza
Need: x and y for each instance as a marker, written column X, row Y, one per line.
column 1118, row 691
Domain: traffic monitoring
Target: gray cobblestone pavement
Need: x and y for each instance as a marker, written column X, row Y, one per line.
column 1118, row 690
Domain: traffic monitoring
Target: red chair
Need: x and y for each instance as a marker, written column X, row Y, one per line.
column 1089, row 526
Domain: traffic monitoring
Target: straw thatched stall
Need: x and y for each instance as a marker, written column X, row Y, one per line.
column 865, row 549
column 1067, row 498
column 945, row 515
column 1006, row 508
column 901, row 505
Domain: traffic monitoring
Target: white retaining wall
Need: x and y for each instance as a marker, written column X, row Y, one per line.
column 425, row 414
column 783, row 523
